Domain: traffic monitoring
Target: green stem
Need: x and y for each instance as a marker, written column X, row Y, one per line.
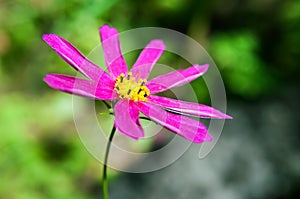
column 106, row 104
column 104, row 177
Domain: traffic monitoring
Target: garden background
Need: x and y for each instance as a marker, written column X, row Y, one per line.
column 256, row 46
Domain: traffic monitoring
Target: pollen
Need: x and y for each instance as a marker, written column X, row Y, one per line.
column 131, row 88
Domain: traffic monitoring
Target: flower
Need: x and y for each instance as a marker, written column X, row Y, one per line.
column 131, row 90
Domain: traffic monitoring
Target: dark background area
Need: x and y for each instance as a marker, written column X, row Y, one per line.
column 256, row 46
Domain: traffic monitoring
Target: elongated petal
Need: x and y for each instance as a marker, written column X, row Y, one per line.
column 188, row 108
column 176, row 78
column 79, row 87
column 114, row 60
column 147, row 59
column 126, row 119
column 75, row 58
column 184, row 126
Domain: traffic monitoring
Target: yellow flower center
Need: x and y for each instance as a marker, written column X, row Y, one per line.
column 128, row 87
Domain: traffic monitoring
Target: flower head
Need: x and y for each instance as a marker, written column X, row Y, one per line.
column 134, row 94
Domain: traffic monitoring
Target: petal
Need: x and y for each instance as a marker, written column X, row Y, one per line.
column 74, row 57
column 134, row 112
column 188, row 108
column 175, row 78
column 114, row 60
column 147, row 59
column 184, row 126
column 126, row 119
column 79, row 87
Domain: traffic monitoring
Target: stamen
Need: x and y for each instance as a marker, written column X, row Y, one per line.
column 129, row 75
column 129, row 87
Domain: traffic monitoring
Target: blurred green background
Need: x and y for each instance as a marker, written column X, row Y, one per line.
column 255, row 44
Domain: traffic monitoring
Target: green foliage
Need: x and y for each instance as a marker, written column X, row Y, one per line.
column 39, row 158
column 236, row 56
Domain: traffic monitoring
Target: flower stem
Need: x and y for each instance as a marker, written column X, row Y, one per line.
column 106, row 104
column 104, row 177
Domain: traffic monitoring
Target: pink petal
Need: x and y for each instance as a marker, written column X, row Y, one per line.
column 176, row 78
column 126, row 119
column 184, row 126
column 189, row 108
column 74, row 57
column 79, row 87
column 112, row 51
column 147, row 59
column 134, row 112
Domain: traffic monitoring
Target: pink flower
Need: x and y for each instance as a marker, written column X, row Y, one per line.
column 131, row 90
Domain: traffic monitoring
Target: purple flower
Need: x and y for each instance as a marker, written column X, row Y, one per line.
column 131, row 90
